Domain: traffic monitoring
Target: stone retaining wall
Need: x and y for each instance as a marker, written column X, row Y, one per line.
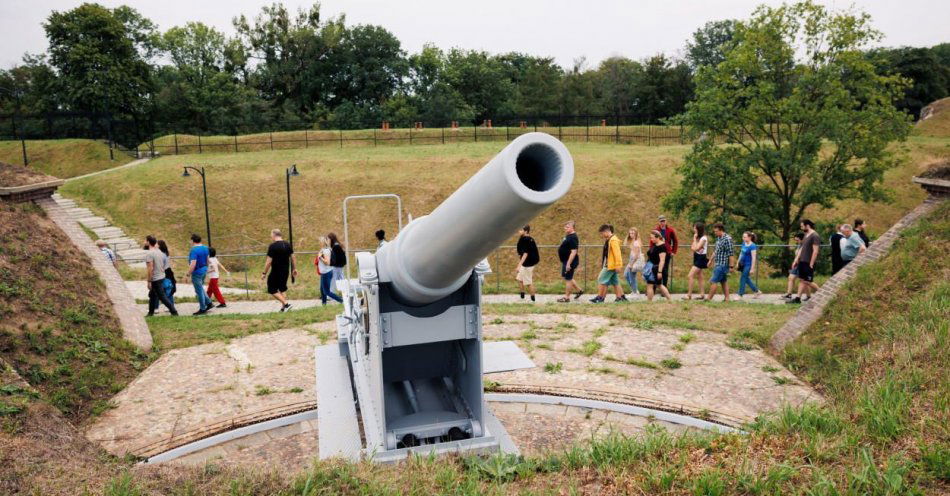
column 812, row 310
column 134, row 328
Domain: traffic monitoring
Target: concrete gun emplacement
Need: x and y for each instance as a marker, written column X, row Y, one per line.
column 411, row 323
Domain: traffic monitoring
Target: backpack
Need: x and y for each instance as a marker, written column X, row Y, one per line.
column 648, row 273
column 337, row 256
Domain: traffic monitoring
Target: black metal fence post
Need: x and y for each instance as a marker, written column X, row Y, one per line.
column 176, row 143
column 443, row 134
column 341, row 138
column 235, row 142
column 199, row 142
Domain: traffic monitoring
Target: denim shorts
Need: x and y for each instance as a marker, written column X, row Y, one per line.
column 720, row 273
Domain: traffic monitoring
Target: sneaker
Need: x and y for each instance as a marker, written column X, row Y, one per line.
column 757, row 295
column 794, row 301
column 597, row 299
column 579, row 294
column 150, row 314
column 200, row 312
column 285, row 307
column 522, row 296
column 621, row 299
column 532, row 298
column 223, row 305
column 787, row 296
column 174, row 314
column 210, row 306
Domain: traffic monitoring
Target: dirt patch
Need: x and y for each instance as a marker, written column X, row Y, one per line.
column 16, row 175
column 939, row 170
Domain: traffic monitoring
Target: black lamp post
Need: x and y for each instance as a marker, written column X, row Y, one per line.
column 16, row 96
column 292, row 171
column 204, row 187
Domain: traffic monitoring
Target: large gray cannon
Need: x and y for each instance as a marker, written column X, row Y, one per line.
column 411, row 325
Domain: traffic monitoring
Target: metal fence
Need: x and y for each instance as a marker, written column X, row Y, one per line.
column 140, row 136
column 246, row 269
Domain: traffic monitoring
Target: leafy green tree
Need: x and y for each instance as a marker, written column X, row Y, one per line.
column 807, row 118
column 366, row 67
column 481, row 80
column 578, row 91
column 101, row 58
column 618, row 78
column 663, row 89
column 709, row 42
column 929, row 76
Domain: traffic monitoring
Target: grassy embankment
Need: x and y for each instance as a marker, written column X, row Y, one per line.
column 621, row 185
column 63, row 158
column 878, row 356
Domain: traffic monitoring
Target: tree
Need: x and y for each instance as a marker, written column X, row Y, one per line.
column 101, row 58
column 709, row 43
column 619, row 78
column 930, row 78
column 807, row 118
column 481, row 80
column 663, row 89
column 366, row 67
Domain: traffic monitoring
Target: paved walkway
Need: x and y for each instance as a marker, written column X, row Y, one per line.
column 128, row 249
column 267, row 306
column 134, row 328
column 235, row 307
column 185, row 290
column 104, row 171
column 774, row 299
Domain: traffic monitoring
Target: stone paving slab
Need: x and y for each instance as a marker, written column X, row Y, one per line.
column 712, row 376
column 79, row 212
column 108, row 230
column 132, row 254
column 139, row 291
column 188, row 388
column 93, row 222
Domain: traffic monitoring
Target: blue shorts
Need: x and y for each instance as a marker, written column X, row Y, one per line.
column 720, row 273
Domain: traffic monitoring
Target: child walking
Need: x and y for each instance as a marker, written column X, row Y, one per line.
column 214, row 266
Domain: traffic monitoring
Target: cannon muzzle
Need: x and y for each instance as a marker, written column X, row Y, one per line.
column 435, row 254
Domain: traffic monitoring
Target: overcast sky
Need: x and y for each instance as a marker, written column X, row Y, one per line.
column 565, row 30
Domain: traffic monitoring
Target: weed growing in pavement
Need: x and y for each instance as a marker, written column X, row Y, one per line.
column 770, row 369
column 780, row 380
column 588, row 348
column 687, row 338
column 671, row 363
column 553, row 368
column 262, row 390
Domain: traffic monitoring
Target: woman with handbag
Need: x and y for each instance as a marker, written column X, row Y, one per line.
column 635, row 262
column 326, row 272
column 699, row 247
column 653, row 270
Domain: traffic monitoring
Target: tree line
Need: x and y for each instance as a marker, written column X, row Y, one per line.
column 300, row 69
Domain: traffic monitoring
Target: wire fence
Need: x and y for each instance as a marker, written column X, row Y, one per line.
column 245, row 271
column 141, row 137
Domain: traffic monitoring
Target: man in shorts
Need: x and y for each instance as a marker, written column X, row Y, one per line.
column 612, row 262
column 807, row 257
column 722, row 261
column 281, row 262
column 528, row 257
column 567, row 254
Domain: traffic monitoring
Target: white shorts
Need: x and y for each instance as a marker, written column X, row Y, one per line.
column 525, row 275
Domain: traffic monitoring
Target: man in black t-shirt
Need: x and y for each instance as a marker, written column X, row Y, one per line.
column 528, row 257
column 281, row 262
column 567, row 253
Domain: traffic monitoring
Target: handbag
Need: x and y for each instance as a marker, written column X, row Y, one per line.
column 639, row 265
column 648, row 273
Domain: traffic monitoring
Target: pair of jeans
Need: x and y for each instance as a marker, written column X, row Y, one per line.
column 169, row 287
column 198, row 281
column 326, row 291
column 156, row 294
column 631, row 277
column 745, row 279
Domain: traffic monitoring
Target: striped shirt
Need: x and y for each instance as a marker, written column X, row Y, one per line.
column 723, row 249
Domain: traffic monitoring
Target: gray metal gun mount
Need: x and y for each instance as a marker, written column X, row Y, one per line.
column 411, row 323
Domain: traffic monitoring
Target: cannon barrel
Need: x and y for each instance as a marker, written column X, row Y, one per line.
column 434, row 255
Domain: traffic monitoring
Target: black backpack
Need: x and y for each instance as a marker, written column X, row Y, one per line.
column 337, row 256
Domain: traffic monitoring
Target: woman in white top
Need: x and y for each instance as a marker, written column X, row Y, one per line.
column 700, row 260
column 326, row 272
column 635, row 262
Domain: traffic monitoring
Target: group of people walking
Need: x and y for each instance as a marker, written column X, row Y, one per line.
column 654, row 264
column 161, row 282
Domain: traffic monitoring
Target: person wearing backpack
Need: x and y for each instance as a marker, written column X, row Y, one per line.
column 325, row 270
column 337, row 257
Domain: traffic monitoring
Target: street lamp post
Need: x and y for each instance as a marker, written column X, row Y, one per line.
column 16, row 109
column 204, row 187
column 292, row 171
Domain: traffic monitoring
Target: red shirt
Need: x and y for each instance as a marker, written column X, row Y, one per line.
column 672, row 243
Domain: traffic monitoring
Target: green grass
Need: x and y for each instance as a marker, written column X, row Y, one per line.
column 63, row 158
column 180, row 332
